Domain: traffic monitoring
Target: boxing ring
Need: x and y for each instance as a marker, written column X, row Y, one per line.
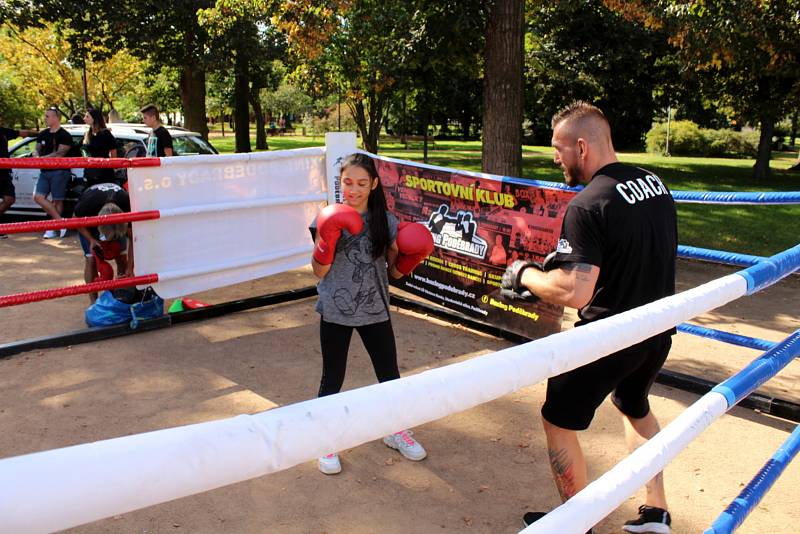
column 87, row 482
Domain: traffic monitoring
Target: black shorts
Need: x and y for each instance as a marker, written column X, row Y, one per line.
column 6, row 186
column 573, row 397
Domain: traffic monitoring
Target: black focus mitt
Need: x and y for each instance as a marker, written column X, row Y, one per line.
column 511, row 284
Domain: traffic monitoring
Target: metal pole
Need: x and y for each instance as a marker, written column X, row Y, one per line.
column 85, row 90
column 669, row 116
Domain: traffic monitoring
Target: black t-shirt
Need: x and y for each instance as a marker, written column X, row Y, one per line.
column 50, row 141
column 162, row 139
column 624, row 222
column 5, row 135
column 94, row 198
column 101, row 144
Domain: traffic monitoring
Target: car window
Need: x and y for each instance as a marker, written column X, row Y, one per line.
column 130, row 148
column 24, row 150
column 186, row 145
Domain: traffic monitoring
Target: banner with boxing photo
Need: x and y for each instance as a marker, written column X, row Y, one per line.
column 480, row 225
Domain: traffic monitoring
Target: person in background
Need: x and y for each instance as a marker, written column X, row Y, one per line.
column 52, row 142
column 106, row 242
column 7, row 191
column 99, row 142
column 160, row 141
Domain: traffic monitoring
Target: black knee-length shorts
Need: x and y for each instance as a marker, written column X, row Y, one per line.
column 573, row 397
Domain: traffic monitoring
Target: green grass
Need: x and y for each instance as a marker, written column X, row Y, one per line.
column 759, row 230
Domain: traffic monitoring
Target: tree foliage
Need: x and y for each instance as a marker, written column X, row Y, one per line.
column 582, row 50
column 38, row 60
column 242, row 29
column 749, row 46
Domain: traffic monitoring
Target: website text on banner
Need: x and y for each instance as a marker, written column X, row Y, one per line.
column 480, row 225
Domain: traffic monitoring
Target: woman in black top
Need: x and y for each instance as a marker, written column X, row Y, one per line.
column 99, row 143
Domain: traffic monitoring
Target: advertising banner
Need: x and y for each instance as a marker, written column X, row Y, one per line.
column 226, row 219
column 480, row 225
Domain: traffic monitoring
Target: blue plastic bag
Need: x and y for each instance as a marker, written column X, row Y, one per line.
column 150, row 307
column 107, row 310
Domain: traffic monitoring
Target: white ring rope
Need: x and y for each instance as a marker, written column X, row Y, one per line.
column 84, row 483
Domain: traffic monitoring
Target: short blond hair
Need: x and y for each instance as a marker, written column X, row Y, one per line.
column 112, row 232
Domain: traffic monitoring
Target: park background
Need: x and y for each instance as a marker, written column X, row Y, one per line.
column 468, row 84
column 706, row 94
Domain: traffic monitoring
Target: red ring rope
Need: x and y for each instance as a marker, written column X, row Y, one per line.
column 78, row 222
column 77, row 163
column 93, row 287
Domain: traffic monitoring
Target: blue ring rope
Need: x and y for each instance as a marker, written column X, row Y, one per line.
column 769, row 270
column 698, row 197
column 691, row 197
column 738, row 510
column 726, row 337
column 720, row 256
column 759, row 370
column 724, row 197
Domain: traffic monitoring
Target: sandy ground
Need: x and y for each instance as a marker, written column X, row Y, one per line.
column 486, row 466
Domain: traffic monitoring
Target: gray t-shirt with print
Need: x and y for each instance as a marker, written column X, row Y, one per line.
column 355, row 291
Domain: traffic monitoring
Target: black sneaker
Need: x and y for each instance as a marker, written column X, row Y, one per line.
column 3, row 236
column 651, row 519
column 531, row 517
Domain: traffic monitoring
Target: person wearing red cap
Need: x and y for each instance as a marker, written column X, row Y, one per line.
column 357, row 245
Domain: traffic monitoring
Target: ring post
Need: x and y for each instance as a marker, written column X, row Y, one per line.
column 338, row 145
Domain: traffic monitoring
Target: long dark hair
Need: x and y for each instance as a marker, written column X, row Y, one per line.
column 376, row 204
column 97, row 123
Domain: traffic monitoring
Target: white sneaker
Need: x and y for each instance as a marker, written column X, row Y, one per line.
column 64, row 232
column 50, row 234
column 330, row 464
column 406, row 445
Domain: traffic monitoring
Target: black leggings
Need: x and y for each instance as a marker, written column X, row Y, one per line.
column 334, row 338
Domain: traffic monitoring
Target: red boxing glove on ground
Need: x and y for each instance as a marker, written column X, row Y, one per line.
column 414, row 244
column 330, row 223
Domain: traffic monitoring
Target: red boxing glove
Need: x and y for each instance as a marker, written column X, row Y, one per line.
column 414, row 243
column 104, row 269
column 108, row 250
column 111, row 249
column 330, row 223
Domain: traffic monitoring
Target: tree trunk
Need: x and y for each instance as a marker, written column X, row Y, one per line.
column 241, row 103
column 761, row 168
column 368, row 120
column 503, row 88
column 192, row 88
column 794, row 128
column 261, row 130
